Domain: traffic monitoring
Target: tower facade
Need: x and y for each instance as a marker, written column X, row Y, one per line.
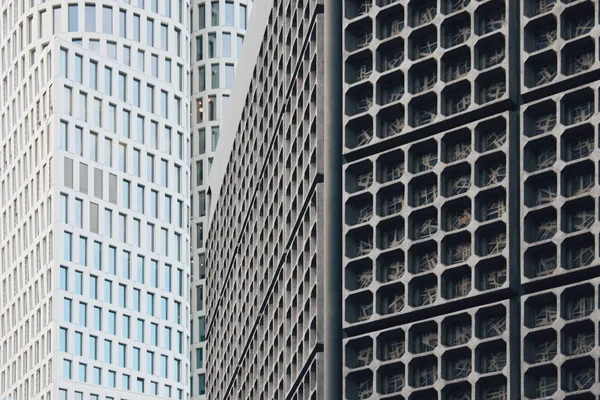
column 217, row 34
column 94, row 165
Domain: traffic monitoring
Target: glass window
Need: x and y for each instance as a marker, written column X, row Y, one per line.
column 229, row 14
column 164, row 104
column 154, row 334
column 126, row 195
column 108, row 291
column 112, row 319
column 112, row 377
column 90, row 18
column 136, row 299
column 140, row 199
column 239, row 45
column 136, row 358
column 123, row 23
column 112, row 260
column 126, row 264
column 63, row 340
column 93, row 287
column 164, row 34
column 64, row 63
column 167, row 283
column 63, row 208
column 212, row 45
column 78, row 68
column 163, row 366
column 164, row 167
column 214, row 13
column 201, row 16
column 150, row 362
column 67, row 315
column 154, row 65
column 226, row 44
column 97, row 376
column 202, row 328
column 126, row 123
column 150, row 167
column 150, row 32
column 126, row 326
column 107, row 351
column 73, row 18
column 212, row 108
column 122, row 87
column 154, row 204
column 136, row 27
column 150, row 99
column 94, row 75
column 168, row 70
column 154, row 273
column 140, row 330
column 140, row 269
column 108, row 81
column 164, row 240
column 82, row 314
column 153, row 134
column 108, row 152
column 141, row 62
column 136, row 162
column 168, row 208
column 78, row 282
column 64, row 284
column 242, row 16
column 67, row 369
column 93, row 347
column 199, row 48
column 199, row 173
column 167, row 338
column 126, row 382
column 78, row 141
column 214, row 138
column 107, row 20
column 122, row 157
column 123, row 228
column 136, row 92
column 229, row 74
column 67, row 246
column 97, row 318
column 79, row 343
column 214, row 76
column 83, row 251
column 150, row 304
column 108, row 222
column 122, row 295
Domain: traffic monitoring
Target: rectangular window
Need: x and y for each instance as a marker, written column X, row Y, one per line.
column 78, row 282
column 164, row 240
column 68, row 246
column 150, row 32
column 78, row 141
column 136, row 93
column 107, row 20
column 126, row 194
column 67, row 315
column 123, row 23
column 122, row 157
column 112, row 260
column 108, row 81
column 153, row 204
column 141, row 62
column 243, row 17
column 140, row 269
column 126, row 123
column 140, row 330
column 164, row 104
column 164, row 168
column 201, row 16
column 150, row 99
column 64, row 201
column 214, row 76
column 63, row 279
column 93, row 287
column 136, row 358
column 108, row 292
column 239, row 45
column 229, row 14
column 229, row 74
column 199, row 235
column 122, row 87
column 150, row 362
column 78, row 343
column 150, row 304
column 97, row 318
column 67, row 369
column 154, row 273
column 97, row 255
column 140, row 199
column 214, row 138
column 136, row 300
column 112, row 118
column 199, row 48
column 168, row 70
column 107, row 351
column 136, row 28
column 112, row 320
column 199, row 173
column 82, row 314
column 168, row 209
column 78, row 69
column 73, row 18
column 226, row 44
column 90, row 18
column 94, row 75
column 122, row 296
column 126, row 264
column 212, row 45
column 167, row 283
column 136, row 162
column 150, row 167
column 108, row 152
column 153, row 134
column 212, row 108
column 154, row 334
column 164, row 35
column 93, row 347
column 154, row 65
column 201, row 79
column 214, row 13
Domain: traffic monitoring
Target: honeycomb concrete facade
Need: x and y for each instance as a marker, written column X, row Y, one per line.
column 470, row 190
column 265, row 247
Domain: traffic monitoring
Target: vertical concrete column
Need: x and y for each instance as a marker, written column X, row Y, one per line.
column 333, row 201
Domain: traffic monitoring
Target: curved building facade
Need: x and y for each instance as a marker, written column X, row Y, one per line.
column 94, row 165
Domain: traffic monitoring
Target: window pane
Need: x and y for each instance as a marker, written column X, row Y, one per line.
column 73, row 18
column 229, row 14
column 107, row 21
column 90, row 18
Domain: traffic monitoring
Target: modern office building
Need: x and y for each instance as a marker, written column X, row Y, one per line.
column 94, row 172
column 217, row 34
column 470, row 261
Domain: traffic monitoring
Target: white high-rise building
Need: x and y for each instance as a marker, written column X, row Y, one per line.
column 217, row 33
column 94, row 199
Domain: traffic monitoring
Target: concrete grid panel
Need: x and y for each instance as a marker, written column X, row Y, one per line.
column 463, row 355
